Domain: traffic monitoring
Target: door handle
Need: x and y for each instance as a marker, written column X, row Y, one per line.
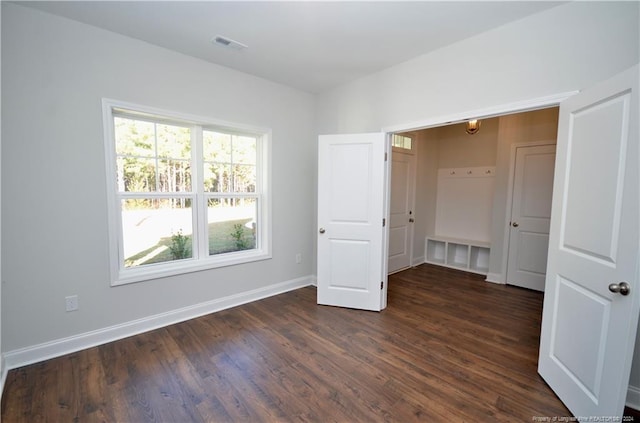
column 621, row 288
column 411, row 220
column 515, row 224
column 321, row 230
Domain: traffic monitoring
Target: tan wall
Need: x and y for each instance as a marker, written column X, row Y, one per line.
column 450, row 146
column 426, row 183
column 459, row 149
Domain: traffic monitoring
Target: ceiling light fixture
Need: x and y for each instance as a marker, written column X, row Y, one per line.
column 472, row 126
column 228, row 42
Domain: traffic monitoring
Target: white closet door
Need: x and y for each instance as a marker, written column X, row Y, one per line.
column 530, row 216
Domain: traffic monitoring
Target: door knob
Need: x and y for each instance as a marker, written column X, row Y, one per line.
column 621, row 288
column 515, row 224
column 321, row 230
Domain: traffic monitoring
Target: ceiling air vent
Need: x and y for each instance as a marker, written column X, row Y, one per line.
column 228, row 43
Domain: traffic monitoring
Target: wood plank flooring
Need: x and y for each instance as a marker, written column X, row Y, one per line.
column 448, row 348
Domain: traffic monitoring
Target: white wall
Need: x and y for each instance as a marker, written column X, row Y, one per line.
column 563, row 49
column 559, row 50
column 54, row 209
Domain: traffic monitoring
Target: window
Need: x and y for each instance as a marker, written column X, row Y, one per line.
column 185, row 193
column 401, row 141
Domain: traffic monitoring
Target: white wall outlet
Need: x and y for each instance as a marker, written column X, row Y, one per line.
column 71, row 302
column 299, row 258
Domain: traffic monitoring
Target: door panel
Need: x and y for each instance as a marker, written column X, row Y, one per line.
column 398, row 247
column 401, row 214
column 356, row 275
column 536, row 245
column 580, row 317
column 350, row 212
column 537, row 182
column 600, row 167
column 349, row 174
column 588, row 331
column 530, row 216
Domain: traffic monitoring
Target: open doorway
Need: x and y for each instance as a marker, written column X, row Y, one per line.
column 402, row 202
column 596, row 130
column 464, row 190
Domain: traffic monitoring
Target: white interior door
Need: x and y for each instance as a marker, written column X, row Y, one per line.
column 588, row 326
column 530, row 216
column 351, row 208
column 401, row 210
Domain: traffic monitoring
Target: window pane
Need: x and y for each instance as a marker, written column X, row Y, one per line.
column 244, row 150
column 134, row 137
column 216, row 147
column 174, row 176
column 136, row 174
column 231, row 224
column 401, row 141
column 173, row 141
column 156, row 230
column 407, row 143
column 217, row 177
column 244, row 178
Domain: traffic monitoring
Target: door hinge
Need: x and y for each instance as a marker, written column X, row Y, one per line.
column 381, row 284
column 384, row 222
column 385, row 157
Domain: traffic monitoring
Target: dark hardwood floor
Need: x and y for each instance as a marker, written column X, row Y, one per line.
column 448, row 348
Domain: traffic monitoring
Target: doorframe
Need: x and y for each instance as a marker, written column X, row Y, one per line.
column 412, row 195
column 529, row 105
column 483, row 113
column 506, row 238
column 384, row 277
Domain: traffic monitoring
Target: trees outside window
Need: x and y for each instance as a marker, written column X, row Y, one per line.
column 186, row 194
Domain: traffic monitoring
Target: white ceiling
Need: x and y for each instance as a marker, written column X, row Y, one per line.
column 313, row 46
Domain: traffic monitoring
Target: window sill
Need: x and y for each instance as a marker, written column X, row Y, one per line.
column 187, row 266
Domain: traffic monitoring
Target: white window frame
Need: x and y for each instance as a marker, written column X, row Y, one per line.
column 201, row 260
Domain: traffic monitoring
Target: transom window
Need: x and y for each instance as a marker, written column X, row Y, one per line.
column 185, row 193
column 401, row 141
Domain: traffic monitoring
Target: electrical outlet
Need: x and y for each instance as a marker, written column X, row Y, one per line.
column 299, row 258
column 71, row 302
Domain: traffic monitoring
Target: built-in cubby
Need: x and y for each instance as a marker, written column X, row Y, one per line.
column 436, row 251
column 461, row 254
column 479, row 259
column 457, row 255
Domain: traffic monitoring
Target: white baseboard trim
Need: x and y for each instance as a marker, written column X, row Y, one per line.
column 314, row 280
column 56, row 348
column 3, row 374
column 494, row 278
column 417, row 261
column 633, row 397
